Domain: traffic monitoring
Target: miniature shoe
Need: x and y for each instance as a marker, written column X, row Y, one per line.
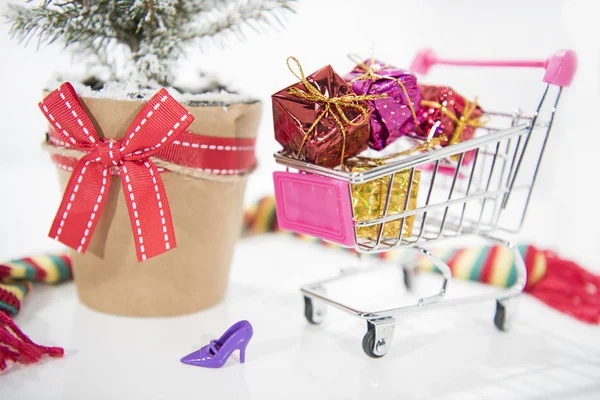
column 217, row 352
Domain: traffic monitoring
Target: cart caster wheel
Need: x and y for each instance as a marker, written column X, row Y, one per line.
column 378, row 338
column 409, row 276
column 314, row 314
column 368, row 344
column 502, row 317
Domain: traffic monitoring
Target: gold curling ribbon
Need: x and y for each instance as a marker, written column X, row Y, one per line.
column 334, row 105
column 459, row 123
column 368, row 199
column 372, row 75
column 430, row 143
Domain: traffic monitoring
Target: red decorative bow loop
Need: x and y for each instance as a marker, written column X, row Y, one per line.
column 65, row 113
column 157, row 125
column 109, row 151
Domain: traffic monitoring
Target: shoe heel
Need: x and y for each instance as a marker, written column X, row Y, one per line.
column 243, row 353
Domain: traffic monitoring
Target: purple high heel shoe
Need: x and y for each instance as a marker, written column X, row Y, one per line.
column 217, row 352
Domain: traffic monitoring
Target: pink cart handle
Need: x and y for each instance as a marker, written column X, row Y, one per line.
column 560, row 67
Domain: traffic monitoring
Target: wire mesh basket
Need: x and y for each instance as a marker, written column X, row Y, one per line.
column 463, row 189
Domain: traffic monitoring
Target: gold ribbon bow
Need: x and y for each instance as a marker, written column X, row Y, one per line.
column 459, row 123
column 371, row 74
column 333, row 105
column 430, row 143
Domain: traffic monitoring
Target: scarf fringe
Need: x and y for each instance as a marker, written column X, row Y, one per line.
column 16, row 347
column 569, row 288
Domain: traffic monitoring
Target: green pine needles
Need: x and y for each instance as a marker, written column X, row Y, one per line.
column 139, row 39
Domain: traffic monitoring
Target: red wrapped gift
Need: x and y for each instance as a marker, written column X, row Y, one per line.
column 458, row 118
column 320, row 119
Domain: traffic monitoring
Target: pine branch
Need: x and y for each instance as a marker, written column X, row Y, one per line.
column 232, row 16
column 49, row 25
column 155, row 32
column 198, row 6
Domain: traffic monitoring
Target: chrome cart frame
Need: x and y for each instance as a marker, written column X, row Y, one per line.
column 455, row 199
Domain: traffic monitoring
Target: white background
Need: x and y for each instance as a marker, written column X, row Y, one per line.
column 565, row 211
column 453, row 354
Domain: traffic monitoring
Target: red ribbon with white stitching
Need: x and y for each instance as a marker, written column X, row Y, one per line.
column 209, row 154
column 160, row 122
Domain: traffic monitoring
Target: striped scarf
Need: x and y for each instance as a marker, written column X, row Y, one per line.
column 16, row 278
column 561, row 284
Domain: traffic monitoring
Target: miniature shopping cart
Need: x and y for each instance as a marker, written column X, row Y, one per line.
column 455, row 198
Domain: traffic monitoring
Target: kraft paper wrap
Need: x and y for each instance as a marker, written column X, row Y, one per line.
column 207, row 217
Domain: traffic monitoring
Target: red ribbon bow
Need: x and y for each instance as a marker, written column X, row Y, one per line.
column 156, row 126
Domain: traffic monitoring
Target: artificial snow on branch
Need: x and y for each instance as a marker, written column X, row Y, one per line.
column 233, row 15
column 155, row 33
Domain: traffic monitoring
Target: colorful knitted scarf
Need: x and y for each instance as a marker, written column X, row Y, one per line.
column 15, row 282
column 561, row 284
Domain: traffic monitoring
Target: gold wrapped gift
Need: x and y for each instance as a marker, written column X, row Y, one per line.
column 368, row 200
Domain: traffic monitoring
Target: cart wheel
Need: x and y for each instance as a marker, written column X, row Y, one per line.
column 500, row 318
column 377, row 347
column 408, row 273
column 368, row 344
column 314, row 314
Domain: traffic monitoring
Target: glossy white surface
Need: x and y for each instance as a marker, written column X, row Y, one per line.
column 452, row 353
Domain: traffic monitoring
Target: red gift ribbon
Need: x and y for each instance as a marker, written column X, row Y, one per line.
column 156, row 126
column 209, row 154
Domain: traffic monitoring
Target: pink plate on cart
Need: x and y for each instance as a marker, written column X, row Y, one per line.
column 314, row 205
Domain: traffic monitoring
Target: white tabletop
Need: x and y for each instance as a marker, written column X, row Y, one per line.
column 446, row 353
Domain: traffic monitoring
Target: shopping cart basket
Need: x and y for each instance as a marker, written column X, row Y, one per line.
column 504, row 160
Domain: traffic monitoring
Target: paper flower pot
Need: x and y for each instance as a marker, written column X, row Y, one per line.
column 206, row 210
